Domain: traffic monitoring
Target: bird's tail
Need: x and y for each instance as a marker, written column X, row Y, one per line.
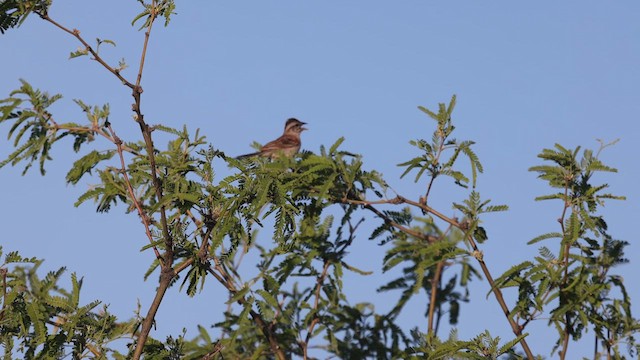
column 248, row 155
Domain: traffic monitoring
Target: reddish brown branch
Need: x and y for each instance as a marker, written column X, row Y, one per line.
column 435, row 288
column 146, row 134
column 93, row 129
column 167, row 274
column 96, row 57
column 3, row 273
column 316, row 302
column 143, row 215
column 369, row 206
column 166, row 260
column 152, row 16
column 565, row 280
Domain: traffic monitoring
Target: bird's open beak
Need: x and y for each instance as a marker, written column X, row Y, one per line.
column 304, row 128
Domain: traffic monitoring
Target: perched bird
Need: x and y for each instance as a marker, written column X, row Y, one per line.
column 288, row 144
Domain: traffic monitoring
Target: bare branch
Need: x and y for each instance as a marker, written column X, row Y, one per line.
column 96, row 57
column 143, row 215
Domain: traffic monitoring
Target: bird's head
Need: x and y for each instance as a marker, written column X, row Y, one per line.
column 294, row 126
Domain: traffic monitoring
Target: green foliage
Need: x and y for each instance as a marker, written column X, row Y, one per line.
column 421, row 259
column 39, row 319
column 576, row 282
column 431, row 161
column 357, row 332
column 153, row 9
column 201, row 227
column 427, row 257
column 483, row 346
column 471, row 208
column 14, row 12
column 85, row 51
column 298, row 288
column 27, row 108
column 35, row 118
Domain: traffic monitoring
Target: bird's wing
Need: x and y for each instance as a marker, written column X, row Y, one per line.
column 283, row 142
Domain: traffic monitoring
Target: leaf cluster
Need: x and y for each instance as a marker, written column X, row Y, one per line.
column 41, row 320
column 14, row 12
column 34, row 131
column 483, row 346
column 431, row 161
column 575, row 285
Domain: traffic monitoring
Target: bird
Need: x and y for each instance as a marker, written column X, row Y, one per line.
column 288, row 144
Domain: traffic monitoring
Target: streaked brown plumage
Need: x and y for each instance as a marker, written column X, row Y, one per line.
column 288, row 144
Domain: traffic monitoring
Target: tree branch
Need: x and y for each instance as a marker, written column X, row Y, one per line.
column 369, row 206
column 226, row 281
column 167, row 274
column 316, row 319
column 93, row 129
column 462, row 226
column 146, row 134
column 565, row 280
column 96, row 57
column 143, row 215
column 3, row 274
column 435, row 288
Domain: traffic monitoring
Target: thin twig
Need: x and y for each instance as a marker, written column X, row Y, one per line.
column 225, row 280
column 435, row 287
column 92, row 129
column 435, row 174
column 96, row 57
column 369, row 206
column 316, row 302
column 152, row 16
column 3, row 273
column 167, row 271
column 143, row 215
column 146, row 134
column 565, row 280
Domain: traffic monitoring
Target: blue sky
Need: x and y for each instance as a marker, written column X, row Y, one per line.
column 527, row 75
